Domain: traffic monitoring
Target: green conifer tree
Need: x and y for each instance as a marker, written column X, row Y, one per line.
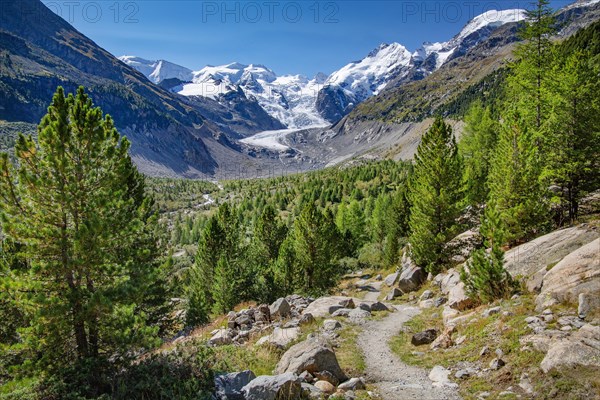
column 76, row 204
column 435, row 196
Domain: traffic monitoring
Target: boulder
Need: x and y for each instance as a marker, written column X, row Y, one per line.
column 229, row 386
column 325, row 306
column 395, row 292
column 444, row 340
column 312, row 355
column 359, row 315
column 411, row 278
column 379, row 306
column 364, row 306
column 527, row 259
column 353, row 384
column 325, row 387
column 391, row 279
column 578, row 272
column 461, row 246
column 491, row 311
column 587, row 304
column 331, row 325
column 266, row 387
column 280, row 308
column 263, row 314
column 280, row 337
column 221, row 337
column 424, row 337
column 458, row 299
column 306, row 319
column 582, row 348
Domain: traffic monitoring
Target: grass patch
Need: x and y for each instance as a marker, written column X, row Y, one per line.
column 348, row 353
column 261, row 360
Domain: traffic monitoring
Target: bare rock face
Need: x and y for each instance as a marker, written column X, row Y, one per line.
column 312, row 355
column 577, row 273
column 581, row 348
column 266, row 387
column 529, row 258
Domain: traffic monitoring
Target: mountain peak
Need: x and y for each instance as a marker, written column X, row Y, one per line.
column 491, row 18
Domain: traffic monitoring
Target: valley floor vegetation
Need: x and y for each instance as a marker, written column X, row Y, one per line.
column 100, row 265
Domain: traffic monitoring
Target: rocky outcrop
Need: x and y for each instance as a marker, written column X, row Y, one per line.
column 266, row 387
column 535, row 257
column 312, row 355
column 581, row 348
column 577, row 273
column 391, row 279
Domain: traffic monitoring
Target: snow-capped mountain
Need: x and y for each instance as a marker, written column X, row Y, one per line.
column 291, row 99
column 158, row 71
column 357, row 81
column 300, row 102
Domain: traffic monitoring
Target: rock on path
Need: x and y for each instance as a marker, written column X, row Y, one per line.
column 394, row 379
column 373, row 291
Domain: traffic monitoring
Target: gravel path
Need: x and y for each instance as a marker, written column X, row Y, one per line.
column 394, row 379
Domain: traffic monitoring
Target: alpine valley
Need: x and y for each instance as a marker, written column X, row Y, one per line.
column 245, row 120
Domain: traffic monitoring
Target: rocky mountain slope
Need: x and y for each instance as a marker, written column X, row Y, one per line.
column 170, row 134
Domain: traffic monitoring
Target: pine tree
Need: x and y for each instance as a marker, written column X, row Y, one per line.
column 476, row 148
column 485, row 277
column 317, row 248
column 224, row 287
column 435, row 195
column 77, row 206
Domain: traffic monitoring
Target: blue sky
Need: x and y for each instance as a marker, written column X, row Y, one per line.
column 289, row 37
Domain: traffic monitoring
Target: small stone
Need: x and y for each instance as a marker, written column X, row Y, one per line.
column 331, row 325
column 379, row 306
column 428, row 294
column 306, row 319
column 395, row 292
column 548, row 318
column 460, row 340
column 547, row 311
column 364, row 306
column 506, row 393
column 325, row 387
column 496, row 364
column 347, row 303
column 484, row 351
column 499, row 352
column 462, row 373
column 532, row 320
column 508, row 313
column 491, row 311
column 378, row 277
column 327, row 376
column 439, row 301
column 353, row 384
column 566, row 328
